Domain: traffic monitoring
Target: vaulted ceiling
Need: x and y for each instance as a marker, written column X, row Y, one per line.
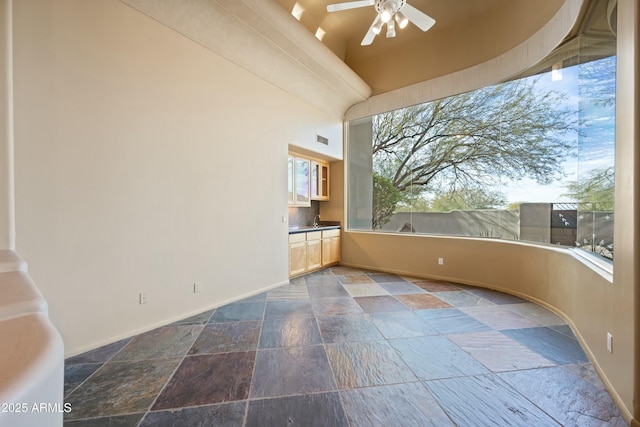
column 473, row 42
column 467, row 32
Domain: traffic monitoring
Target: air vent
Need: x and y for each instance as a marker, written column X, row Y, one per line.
column 322, row 140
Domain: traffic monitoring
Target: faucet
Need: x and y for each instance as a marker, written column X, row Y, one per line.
column 316, row 220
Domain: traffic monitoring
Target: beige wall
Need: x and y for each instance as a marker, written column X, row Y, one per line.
column 7, row 225
column 625, row 293
column 144, row 162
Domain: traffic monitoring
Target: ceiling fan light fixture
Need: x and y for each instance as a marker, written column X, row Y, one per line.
column 385, row 16
column 389, row 12
column 401, row 20
column 391, row 29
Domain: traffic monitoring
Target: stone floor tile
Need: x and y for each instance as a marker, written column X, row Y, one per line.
column 261, row 297
column 402, row 324
column 99, row 355
column 130, row 420
column 165, row 342
column 348, row 328
column 290, row 332
column 386, row 278
column 343, row 271
column 294, row 370
column 309, row 410
column 497, row 297
column 195, row 320
column 288, row 292
column 223, row 415
column 74, row 375
column 536, row 313
column 288, row 309
column 352, row 279
column 550, row 344
column 208, row 379
column 485, row 400
column 314, row 280
column 498, row 317
column 564, row 330
column 498, row 352
column 451, row 321
column 401, row 288
column 120, row 388
column 436, row 285
column 422, row 301
column 379, row 304
column 369, row 363
column 461, row 298
column 329, row 290
column 436, row 357
column 393, row 405
column 239, row 312
column 227, row 337
column 365, row 290
column 572, row 394
column 327, row 307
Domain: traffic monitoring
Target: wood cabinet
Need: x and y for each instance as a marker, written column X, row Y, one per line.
column 299, row 185
column 313, row 250
column 297, row 254
column 330, row 247
column 308, row 179
column 319, row 180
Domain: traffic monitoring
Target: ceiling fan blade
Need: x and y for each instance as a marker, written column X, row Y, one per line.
column 419, row 19
column 349, row 5
column 371, row 34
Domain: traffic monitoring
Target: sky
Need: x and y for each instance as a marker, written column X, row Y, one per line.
column 595, row 143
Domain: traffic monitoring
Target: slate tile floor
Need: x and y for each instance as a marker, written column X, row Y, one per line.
column 345, row 347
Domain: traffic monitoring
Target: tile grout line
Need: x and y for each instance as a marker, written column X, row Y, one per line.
column 170, row 377
column 255, row 361
column 102, row 364
column 324, row 348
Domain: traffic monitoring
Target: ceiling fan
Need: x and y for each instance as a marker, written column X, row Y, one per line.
column 390, row 12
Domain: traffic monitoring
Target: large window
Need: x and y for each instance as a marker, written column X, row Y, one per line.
column 531, row 159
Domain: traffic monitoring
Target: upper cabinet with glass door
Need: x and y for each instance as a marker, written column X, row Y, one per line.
column 299, row 185
column 319, row 180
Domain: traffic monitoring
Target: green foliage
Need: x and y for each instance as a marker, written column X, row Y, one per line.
column 462, row 199
column 596, row 190
column 385, row 199
column 467, row 199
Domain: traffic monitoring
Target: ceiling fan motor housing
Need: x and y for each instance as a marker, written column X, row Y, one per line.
column 391, row 6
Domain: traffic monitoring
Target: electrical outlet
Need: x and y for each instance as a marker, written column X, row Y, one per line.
column 144, row 297
column 609, row 342
column 197, row 287
column 440, row 261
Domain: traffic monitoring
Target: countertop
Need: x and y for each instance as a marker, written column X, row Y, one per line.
column 306, row 228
